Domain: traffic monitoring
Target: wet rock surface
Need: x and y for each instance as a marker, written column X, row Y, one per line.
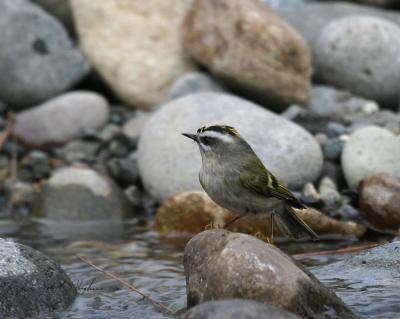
column 238, row 309
column 222, row 265
column 163, row 157
column 31, row 284
column 219, row 33
column 45, row 54
column 380, row 202
column 80, row 194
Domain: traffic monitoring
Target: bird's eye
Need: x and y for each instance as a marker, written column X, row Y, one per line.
column 206, row 140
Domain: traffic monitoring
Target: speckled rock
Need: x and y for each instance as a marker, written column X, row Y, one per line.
column 31, row 284
column 370, row 150
column 218, row 34
column 379, row 202
column 42, row 62
column 135, row 46
column 169, row 163
column 62, row 118
column 194, row 82
column 191, row 212
column 238, row 309
column 80, row 194
column 353, row 53
column 241, row 266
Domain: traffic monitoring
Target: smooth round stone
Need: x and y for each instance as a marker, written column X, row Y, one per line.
column 370, row 150
column 169, row 162
column 61, row 119
column 38, row 60
column 81, row 194
column 360, row 53
column 31, row 284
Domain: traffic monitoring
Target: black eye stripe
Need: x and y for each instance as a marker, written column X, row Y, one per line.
column 206, row 140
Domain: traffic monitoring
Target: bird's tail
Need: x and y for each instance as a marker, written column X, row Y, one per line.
column 293, row 226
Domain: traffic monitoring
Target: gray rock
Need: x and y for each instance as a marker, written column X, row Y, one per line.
column 385, row 118
column 282, row 4
column 38, row 60
column 133, row 127
column 169, row 163
column 333, row 148
column 339, row 105
column 78, row 151
column 242, row 266
column 60, row 9
column 80, row 194
column 370, row 150
column 125, row 171
column 369, row 272
column 329, row 192
column 238, row 309
column 61, row 119
column 360, row 54
column 311, row 18
column 194, row 82
column 31, row 284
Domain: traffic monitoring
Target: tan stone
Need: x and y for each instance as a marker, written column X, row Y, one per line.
column 193, row 211
column 251, row 47
column 134, row 45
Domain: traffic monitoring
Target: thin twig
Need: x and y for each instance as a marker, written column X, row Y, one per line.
column 350, row 249
column 8, row 130
column 154, row 302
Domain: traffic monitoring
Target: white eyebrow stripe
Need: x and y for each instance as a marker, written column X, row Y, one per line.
column 222, row 137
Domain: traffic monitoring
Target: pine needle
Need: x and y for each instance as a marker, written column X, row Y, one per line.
column 154, row 302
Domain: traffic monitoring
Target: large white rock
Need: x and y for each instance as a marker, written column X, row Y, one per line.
column 169, row 163
column 370, row 150
column 361, row 54
column 134, row 45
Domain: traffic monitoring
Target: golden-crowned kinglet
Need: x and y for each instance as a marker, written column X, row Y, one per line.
column 236, row 179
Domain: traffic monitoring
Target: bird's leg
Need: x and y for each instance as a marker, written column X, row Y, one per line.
column 272, row 229
column 231, row 222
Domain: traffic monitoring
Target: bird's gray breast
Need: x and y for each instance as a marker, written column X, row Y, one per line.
column 223, row 185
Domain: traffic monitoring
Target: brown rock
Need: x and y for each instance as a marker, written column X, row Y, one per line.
column 380, row 202
column 247, row 44
column 193, row 211
column 222, row 265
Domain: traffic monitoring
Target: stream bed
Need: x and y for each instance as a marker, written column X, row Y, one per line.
column 154, row 265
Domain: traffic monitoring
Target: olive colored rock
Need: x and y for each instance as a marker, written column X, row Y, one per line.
column 238, row 309
column 191, row 212
column 379, row 202
column 249, row 46
column 223, row 265
column 134, row 45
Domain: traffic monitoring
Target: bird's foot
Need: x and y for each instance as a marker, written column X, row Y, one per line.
column 212, row 226
column 262, row 237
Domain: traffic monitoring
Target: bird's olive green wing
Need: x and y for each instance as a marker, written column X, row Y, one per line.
column 257, row 178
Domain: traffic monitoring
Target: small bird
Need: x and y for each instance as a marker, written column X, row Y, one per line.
column 236, row 179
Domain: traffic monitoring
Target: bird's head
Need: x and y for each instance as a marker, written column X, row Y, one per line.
column 217, row 140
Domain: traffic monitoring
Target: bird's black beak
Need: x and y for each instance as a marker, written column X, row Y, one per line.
column 191, row 136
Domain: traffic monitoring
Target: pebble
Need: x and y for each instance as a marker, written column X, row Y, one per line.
column 241, row 266
column 353, row 53
column 368, row 151
column 169, row 163
column 31, row 284
column 142, row 61
column 379, row 202
column 61, row 119
column 219, row 34
column 42, row 63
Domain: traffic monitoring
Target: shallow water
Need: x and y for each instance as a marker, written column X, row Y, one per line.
column 154, row 265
